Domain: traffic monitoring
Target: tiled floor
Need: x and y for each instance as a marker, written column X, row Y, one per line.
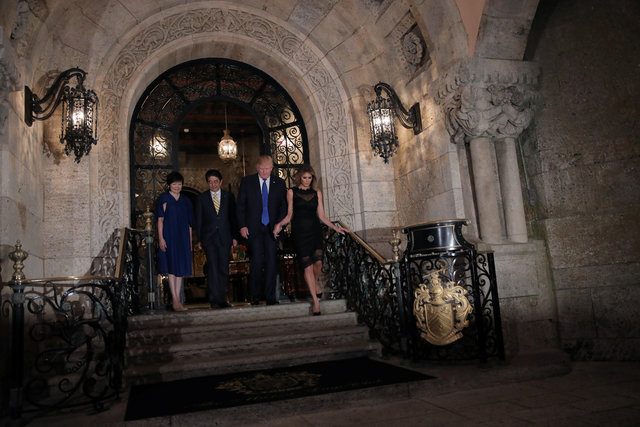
column 592, row 394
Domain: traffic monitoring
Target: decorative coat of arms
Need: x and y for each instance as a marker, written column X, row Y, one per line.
column 441, row 310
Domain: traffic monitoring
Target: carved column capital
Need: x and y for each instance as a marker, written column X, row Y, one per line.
column 488, row 98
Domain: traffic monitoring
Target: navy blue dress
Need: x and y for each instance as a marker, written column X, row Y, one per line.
column 178, row 217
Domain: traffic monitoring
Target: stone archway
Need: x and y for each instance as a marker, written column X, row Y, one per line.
column 171, row 34
column 155, row 137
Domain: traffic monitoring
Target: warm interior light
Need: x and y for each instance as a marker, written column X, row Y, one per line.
column 78, row 118
column 227, row 147
column 158, row 146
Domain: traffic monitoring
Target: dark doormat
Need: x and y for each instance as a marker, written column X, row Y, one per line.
column 245, row 388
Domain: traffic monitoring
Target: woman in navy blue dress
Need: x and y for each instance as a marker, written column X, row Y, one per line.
column 175, row 219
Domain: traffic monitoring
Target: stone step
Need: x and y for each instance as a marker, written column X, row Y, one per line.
column 240, row 313
column 179, row 334
column 201, row 342
column 197, row 366
column 254, row 343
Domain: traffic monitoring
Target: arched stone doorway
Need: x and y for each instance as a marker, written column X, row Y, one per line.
column 156, row 126
column 280, row 50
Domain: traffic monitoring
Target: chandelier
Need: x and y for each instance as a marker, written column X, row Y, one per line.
column 227, row 147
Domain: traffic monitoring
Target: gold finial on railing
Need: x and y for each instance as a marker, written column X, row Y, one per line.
column 17, row 255
column 395, row 246
column 148, row 220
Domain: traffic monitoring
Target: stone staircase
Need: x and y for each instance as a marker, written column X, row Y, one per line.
column 200, row 342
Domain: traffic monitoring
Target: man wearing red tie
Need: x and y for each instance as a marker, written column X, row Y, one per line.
column 216, row 227
column 262, row 203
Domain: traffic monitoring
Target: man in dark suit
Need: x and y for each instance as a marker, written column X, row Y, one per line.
column 262, row 203
column 216, row 227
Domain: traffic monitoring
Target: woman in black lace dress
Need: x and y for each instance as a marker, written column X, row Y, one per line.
column 306, row 212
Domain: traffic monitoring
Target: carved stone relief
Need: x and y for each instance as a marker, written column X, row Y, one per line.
column 485, row 98
column 409, row 45
column 144, row 44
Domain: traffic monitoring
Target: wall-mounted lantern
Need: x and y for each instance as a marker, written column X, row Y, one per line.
column 79, row 111
column 382, row 113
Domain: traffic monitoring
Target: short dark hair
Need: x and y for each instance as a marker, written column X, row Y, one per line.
column 212, row 172
column 297, row 178
column 174, row 177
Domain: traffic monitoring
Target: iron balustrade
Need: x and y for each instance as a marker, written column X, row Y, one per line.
column 382, row 292
column 68, row 334
column 356, row 272
column 67, row 342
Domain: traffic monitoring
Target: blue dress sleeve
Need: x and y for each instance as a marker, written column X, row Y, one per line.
column 161, row 200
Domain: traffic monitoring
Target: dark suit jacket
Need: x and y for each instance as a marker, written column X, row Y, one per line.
column 250, row 202
column 208, row 223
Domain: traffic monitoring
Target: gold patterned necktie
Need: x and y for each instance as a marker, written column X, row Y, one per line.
column 216, row 202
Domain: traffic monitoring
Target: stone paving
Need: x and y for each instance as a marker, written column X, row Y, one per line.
column 591, row 394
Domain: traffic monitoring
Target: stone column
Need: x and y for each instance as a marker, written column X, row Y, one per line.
column 474, row 118
column 488, row 104
column 513, row 206
column 486, row 189
column 514, row 116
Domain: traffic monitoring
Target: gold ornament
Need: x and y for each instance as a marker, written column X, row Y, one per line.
column 441, row 310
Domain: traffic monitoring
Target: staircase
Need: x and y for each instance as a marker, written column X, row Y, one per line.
column 171, row 346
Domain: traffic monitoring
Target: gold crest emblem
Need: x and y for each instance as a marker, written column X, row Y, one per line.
column 441, row 310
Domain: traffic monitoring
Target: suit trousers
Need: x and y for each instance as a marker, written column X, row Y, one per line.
column 217, row 255
column 263, row 263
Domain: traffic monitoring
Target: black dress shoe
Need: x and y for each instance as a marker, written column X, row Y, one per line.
column 223, row 305
column 273, row 302
column 255, row 302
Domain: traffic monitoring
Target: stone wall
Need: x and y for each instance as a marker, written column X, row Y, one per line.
column 21, row 183
column 583, row 159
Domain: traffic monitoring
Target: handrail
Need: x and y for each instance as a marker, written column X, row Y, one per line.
column 65, row 279
column 366, row 246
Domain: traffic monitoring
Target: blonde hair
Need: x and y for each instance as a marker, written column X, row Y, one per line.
column 264, row 158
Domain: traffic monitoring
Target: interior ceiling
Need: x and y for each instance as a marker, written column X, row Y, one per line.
column 206, row 123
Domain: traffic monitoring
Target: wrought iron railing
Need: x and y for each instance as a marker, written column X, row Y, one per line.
column 358, row 273
column 67, row 342
column 383, row 292
column 68, row 333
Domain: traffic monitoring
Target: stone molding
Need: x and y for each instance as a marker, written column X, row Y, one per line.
column 244, row 24
column 488, row 98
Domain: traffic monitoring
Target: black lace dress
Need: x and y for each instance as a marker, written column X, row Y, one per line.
column 305, row 226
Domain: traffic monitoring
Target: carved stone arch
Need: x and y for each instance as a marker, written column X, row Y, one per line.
column 190, row 32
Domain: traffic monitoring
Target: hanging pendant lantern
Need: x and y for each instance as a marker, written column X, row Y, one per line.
column 227, row 147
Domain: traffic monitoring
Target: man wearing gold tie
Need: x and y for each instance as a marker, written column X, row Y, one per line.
column 216, row 228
